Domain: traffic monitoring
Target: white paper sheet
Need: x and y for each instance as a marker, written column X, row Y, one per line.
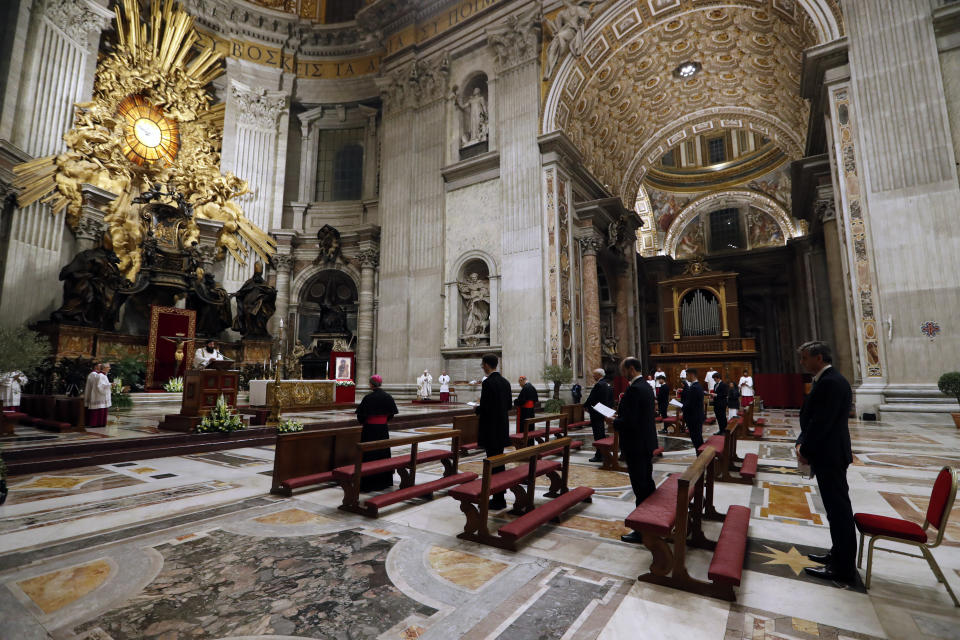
column 676, row 403
column 604, row 410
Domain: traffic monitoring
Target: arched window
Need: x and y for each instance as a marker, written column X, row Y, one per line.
column 700, row 313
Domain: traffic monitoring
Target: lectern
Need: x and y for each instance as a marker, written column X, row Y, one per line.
column 201, row 390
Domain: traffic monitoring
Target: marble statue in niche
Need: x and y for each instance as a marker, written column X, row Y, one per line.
column 472, row 107
column 475, row 294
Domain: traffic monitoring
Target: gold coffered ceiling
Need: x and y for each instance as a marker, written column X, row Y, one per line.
column 621, row 104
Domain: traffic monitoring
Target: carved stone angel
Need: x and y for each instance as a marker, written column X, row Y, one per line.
column 568, row 33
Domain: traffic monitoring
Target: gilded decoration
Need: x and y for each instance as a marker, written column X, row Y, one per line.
column 150, row 121
column 298, row 394
column 563, row 245
column 851, row 190
column 620, row 96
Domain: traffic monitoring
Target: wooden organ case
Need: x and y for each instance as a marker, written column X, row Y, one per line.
column 701, row 325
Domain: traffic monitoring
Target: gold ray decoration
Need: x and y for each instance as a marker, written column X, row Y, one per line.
column 150, row 121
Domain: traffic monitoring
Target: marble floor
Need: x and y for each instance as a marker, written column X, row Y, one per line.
column 194, row 546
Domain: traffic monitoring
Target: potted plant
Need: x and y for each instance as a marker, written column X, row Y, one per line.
column 949, row 384
column 22, row 350
column 289, row 426
column 174, row 385
column 558, row 375
column 220, row 419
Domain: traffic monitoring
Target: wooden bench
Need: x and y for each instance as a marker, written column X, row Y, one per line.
column 526, row 433
column 469, row 427
column 672, row 518
column 350, row 475
column 575, row 416
column 729, row 467
column 609, row 450
column 308, row 458
column 752, row 428
column 8, row 420
column 474, row 496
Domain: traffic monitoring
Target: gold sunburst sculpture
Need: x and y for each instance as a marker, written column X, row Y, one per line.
column 150, row 121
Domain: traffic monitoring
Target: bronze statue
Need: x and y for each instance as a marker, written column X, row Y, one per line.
column 92, row 286
column 256, row 302
column 212, row 304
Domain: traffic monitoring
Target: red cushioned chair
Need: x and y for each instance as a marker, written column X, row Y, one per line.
column 907, row 532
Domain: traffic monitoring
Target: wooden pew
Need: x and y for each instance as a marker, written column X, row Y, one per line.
column 672, row 517
column 469, row 427
column 474, row 496
column 609, row 450
column 350, row 475
column 575, row 416
column 727, row 466
column 526, row 433
column 308, row 458
column 752, row 428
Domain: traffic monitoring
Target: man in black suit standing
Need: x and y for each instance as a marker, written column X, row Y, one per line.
column 693, row 413
column 720, row 390
column 663, row 396
column 638, row 434
column 494, row 427
column 601, row 393
column 824, row 443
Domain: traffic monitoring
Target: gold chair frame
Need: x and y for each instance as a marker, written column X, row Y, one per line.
column 924, row 546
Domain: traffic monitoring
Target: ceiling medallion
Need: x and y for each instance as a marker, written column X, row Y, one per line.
column 687, row 70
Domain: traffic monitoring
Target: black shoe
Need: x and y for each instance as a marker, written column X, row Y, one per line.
column 829, row 573
column 497, row 505
column 634, row 537
column 822, row 558
column 596, row 458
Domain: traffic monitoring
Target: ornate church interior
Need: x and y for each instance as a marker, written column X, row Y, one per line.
column 268, row 269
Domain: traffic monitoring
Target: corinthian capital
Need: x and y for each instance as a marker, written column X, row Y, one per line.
column 416, row 84
column 369, row 258
column 591, row 244
column 517, row 39
column 282, row 262
column 257, row 106
column 81, row 20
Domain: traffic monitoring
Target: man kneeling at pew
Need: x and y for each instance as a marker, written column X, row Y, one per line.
column 638, row 434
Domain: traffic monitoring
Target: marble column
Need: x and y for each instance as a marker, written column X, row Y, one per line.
column 624, row 316
column 58, row 64
column 841, row 339
column 515, row 47
column 283, row 263
column 590, row 244
column 369, row 259
column 255, row 150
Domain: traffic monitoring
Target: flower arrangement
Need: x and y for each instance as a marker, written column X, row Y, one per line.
column 120, row 395
column 289, row 426
column 174, row 385
column 346, row 383
column 220, row 419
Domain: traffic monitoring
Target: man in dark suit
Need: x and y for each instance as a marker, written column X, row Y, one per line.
column 824, row 443
column 494, row 427
column 693, row 413
column 638, row 434
column 663, row 395
column 601, row 393
column 720, row 390
column 526, row 402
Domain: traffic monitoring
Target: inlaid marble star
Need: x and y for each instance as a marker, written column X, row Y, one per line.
column 792, row 558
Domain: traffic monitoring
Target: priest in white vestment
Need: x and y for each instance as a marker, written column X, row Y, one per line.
column 425, row 385
column 10, row 384
column 710, row 381
column 444, row 381
column 205, row 355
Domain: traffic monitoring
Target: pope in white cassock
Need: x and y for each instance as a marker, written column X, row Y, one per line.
column 10, row 384
column 205, row 355
column 425, row 385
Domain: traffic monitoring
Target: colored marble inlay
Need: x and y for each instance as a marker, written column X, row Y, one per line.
column 57, row 482
column 463, row 569
column 788, row 501
column 53, row 591
column 293, row 516
column 752, row 624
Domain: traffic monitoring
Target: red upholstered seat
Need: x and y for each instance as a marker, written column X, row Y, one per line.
column 874, row 525
column 749, row 468
column 574, row 444
column 658, row 512
column 518, row 437
column 390, row 464
column 14, row 415
column 502, row 481
column 760, row 421
column 671, row 420
column 716, row 442
column 418, row 490
column 578, row 425
column 658, row 451
column 529, row 522
column 304, row 481
column 712, row 420
column 469, row 446
column 727, row 562
column 603, row 443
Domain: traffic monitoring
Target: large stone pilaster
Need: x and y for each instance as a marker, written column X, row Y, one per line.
column 56, row 70
column 889, row 140
column 590, row 244
column 369, row 258
column 515, row 46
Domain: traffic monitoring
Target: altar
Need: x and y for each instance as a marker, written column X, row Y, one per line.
column 294, row 394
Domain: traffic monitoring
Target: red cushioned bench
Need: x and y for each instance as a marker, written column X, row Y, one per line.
column 751, row 427
column 8, row 420
column 727, row 466
column 526, row 433
column 671, row 519
column 474, row 496
column 575, row 416
column 609, row 450
column 469, row 427
column 308, row 458
column 350, row 476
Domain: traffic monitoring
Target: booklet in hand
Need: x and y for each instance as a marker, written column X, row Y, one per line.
column 604, row 410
